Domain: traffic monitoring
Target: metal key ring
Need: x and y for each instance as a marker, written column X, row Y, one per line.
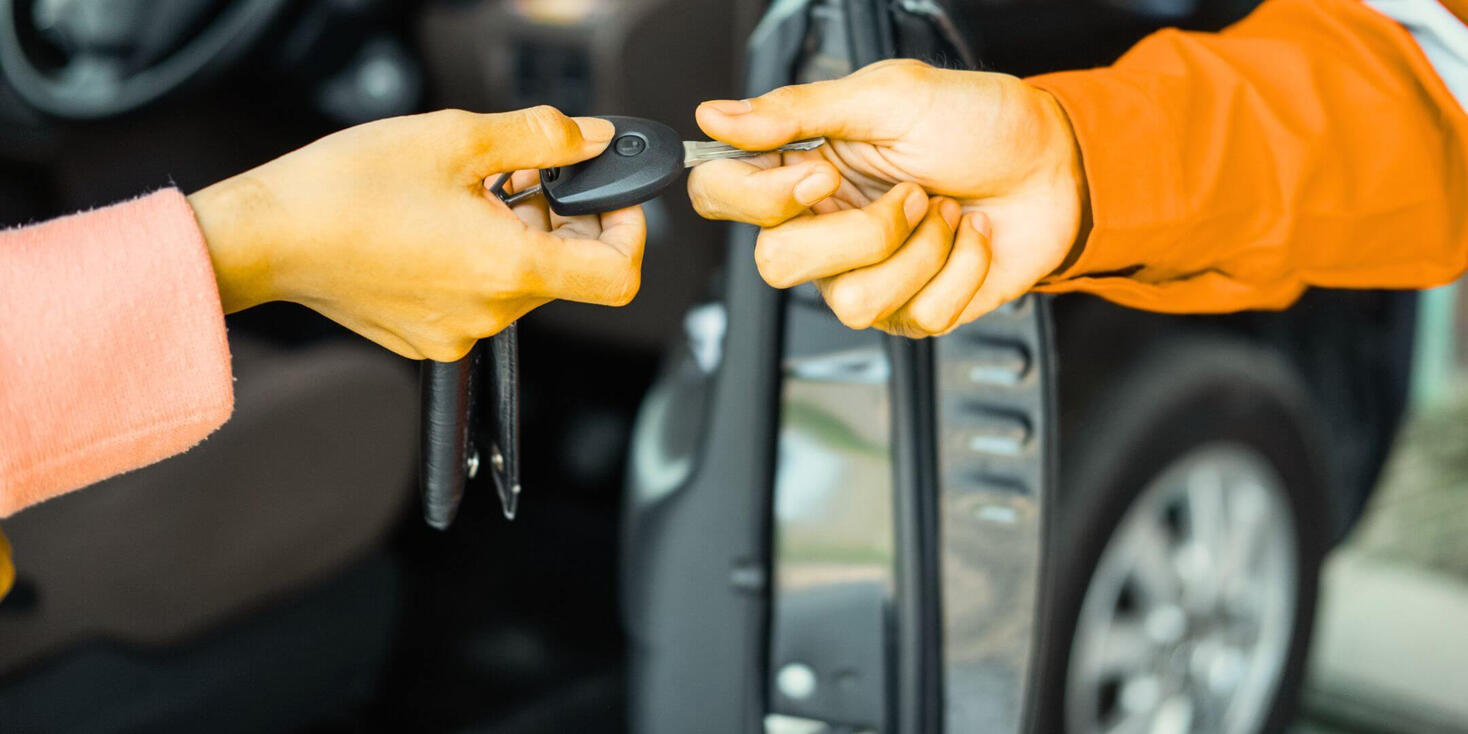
column 498, row 189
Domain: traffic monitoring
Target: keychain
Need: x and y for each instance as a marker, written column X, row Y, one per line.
column 644, row 158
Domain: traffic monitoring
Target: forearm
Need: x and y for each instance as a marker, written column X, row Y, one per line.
column 112, row 347
column 1311, row 144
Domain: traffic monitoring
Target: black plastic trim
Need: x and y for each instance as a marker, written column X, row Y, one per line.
column 697, row 584
column 917, row 543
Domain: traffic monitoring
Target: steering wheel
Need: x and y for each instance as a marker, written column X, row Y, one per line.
column 90, row 59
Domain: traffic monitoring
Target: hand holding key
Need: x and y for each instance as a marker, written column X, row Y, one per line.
column 388, row 229
column 855, row 215
column 643, row 159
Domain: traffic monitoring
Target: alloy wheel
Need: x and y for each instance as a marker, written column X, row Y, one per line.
column 1187, row 620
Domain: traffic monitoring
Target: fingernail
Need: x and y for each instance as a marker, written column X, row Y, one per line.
column 814, row 187
column 915, row 206
column 730, row 107
column 595, row 129
column 950, row 211
column 980, row 223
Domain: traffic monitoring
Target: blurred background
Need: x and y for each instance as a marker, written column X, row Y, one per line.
column 279, row 577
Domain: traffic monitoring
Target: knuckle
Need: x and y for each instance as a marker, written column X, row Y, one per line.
column 768, row 218
column 772, row 275
column 703, row 203
column 879, row 65
column 854, row 321
column 627, row 288
column 715, row 194
column 451, row 122
column 851, row 305
column 450, row 116
column 770, row 265
column 780, row 97
column 928, row 321
column 447, row 124
column 903, row 62
column 552, row 126
column 636, row 251
column 883, row 233
column 446, row 350
column 979, row 308
column 960, row 321
column 905, row 71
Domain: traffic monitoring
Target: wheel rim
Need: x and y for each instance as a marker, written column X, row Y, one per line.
column 1186, row 622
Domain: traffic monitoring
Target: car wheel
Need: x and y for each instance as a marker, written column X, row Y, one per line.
column 1192, row 529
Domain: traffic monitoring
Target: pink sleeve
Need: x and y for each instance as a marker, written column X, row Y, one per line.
column 112, row 348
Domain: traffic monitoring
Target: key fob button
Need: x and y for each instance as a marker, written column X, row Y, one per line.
column 645, row 158
column 630, row 145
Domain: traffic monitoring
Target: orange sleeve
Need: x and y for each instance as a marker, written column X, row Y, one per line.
column 1311, row 144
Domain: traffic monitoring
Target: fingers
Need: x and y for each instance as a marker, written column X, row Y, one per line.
column 937, row 308
column 862, row 106
column 865, row 296
column 737, row 191
column 538, row 137
column 591, row 259
column 822, row 245
column 570, row 265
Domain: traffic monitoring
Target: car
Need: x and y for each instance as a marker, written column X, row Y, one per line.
column 1065, row 516
column 738, row 514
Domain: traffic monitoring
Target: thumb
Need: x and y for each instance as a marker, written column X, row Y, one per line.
column 859, row 107
column 538, row 137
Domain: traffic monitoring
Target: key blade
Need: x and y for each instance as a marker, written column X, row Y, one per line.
column 519, row 196
column 699, row 151
column 703, row 151
column 807, row 144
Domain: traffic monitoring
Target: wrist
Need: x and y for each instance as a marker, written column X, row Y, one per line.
column 1070, row 181
column 234, row 216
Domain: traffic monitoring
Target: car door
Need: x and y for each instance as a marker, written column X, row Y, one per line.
column 837, row 530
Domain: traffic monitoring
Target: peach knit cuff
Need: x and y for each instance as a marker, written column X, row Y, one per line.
column 112, row 346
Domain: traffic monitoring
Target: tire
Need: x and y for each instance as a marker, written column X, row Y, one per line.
column 1190, row 407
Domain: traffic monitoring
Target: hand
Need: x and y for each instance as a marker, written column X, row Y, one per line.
column 998, row 156
column 388, row 229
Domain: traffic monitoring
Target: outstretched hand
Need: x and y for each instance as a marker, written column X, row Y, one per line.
column 940, row 195
column 388, row 229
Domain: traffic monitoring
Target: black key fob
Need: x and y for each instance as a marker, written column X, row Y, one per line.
column 643, row 158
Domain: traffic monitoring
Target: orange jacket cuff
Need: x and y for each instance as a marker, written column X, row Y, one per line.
column 1311, row 144
column 1130, row 179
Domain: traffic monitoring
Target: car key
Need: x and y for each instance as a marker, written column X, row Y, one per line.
column 643, row 159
